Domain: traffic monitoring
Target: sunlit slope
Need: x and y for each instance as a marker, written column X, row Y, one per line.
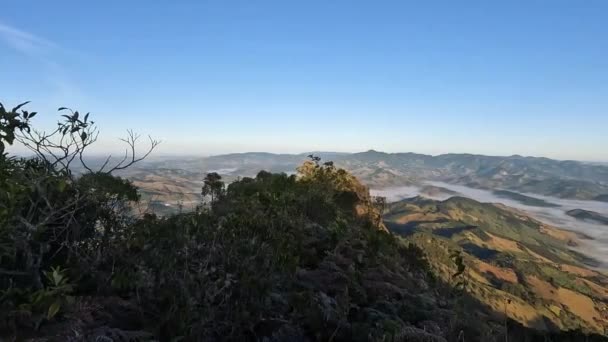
column 514, row 263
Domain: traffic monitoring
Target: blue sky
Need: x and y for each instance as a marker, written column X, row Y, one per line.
column 207, row 77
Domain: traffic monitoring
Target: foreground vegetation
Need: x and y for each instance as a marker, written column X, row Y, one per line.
column 305, row 257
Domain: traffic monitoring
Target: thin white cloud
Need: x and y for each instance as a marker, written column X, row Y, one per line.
column 47, row 56
column 25, row 42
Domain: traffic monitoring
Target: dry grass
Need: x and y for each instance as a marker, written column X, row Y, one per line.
column 580, row 271
column 503, row 244
column 542, row 288
column 504, row 274
column 580, row 305
column 477, row 277
column 473, row 238
column 556, row 310
column 458, row 215
column 517, row 309
column 559, row 234
column 577, row 303
column 418, row 217
column 599, row 290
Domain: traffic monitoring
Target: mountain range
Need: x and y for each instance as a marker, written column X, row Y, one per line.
column 518, row 266
column 172, row 177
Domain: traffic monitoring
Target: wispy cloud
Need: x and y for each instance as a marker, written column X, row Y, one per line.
column 48, row 57
column 25, row 42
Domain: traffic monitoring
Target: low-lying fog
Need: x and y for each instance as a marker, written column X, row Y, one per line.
column 596, row 248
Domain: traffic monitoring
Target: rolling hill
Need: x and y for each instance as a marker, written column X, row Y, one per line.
column 513, row 263
column 543, row 176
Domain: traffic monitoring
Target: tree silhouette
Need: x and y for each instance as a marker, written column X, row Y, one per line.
column 213, row 186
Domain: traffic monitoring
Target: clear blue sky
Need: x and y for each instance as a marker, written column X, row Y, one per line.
column 492, row 77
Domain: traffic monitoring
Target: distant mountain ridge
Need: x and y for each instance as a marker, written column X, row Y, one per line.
column 539, row 175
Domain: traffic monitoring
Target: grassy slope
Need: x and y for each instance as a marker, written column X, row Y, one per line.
column 509, row 256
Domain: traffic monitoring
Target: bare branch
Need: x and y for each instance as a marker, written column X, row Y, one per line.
column 131, row 141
